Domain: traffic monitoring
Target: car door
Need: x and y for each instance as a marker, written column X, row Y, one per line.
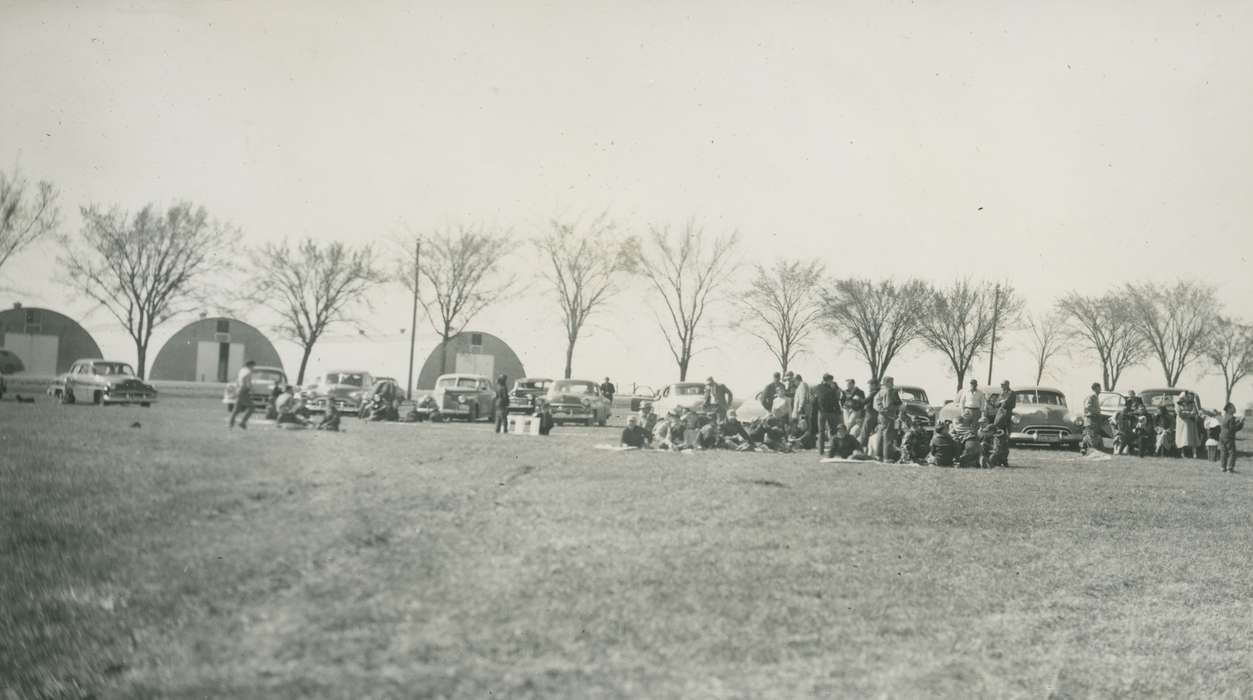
column 74, row 382
column 485, row 397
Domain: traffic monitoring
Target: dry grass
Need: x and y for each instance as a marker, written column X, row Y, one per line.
column 180, row 560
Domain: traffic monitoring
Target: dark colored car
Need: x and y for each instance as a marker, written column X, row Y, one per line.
column 525, row 391
column 915, row 406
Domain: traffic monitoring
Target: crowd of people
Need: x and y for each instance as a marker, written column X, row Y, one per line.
column 1179, row 432
column 839, row 423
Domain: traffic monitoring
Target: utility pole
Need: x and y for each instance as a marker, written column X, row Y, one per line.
column 413, row 324
column 996, row 317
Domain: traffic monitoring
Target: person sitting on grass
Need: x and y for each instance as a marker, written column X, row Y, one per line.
column 971, row 456
column 290, row 410
column 1122, row 432
column 845, row 445
column 734, row 435
column 1165, row 434
column 915, row 446
column 769, row 432
column 1143, row 435
column 648, row 417
column 943, row 446
column 330, row 422
column 271, row 410
column 634, row 435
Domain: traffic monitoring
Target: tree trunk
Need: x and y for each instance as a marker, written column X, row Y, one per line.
column 443, row 354
column 683, row 362
column 569, row 357
column 961, row 378
column 304, row 362
column 1109, row 386
column 1039, row 374
column 141, row 356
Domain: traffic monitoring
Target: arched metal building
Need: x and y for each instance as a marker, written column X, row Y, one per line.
column 471, row 352
column 212, row 350
column 46, row 341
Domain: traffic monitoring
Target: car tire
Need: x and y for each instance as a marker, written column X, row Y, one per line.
column 144, row 404
column 97, row 398
column 590, row 421
column 65, row 397
column 474, row 414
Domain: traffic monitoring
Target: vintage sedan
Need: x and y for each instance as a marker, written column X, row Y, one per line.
column 346, row 388
column 916, row 407
column 1041, row 417
column 468, row 396
column 577, row 401
column 387, row 392
column 102, row 382
column 264, row 379
column 689, row 395
column 526, row 391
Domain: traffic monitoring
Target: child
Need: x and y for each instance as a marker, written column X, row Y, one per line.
column 1143, row 434
column 543, row 412
column 1227, row 437
column 987, row 435
column 1213, row 429
column 1122, row 432
column 943, row 447
column 845, row 446
column 915, row 446
column 330, row 422
column 1165, row 434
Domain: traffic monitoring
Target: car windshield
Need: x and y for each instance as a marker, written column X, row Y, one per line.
column 346, row 378
column 909, row 393
column 541, row 384
column 458, row 382
column 112, row 368
column 267, row 375
column 1043, row 398
column 573, row 387
column 688, row 389
column 1160, row 397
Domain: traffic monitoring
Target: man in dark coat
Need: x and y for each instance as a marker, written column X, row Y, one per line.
column 869, row 414
column 771, row 391
column 502, row 404
column 1005, row 421
column 827, row 410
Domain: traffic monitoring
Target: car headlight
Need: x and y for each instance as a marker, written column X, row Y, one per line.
column 461, row 399
column 1015, row 420
column 357, row 395
column 587, row 402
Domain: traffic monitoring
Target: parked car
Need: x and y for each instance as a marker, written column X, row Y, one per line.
column 689, row 395
column 102, row 382
column 468, row 396
column 525, row 391
column 639, row 394
column 1041, row 417
column 1158, row 400
column 10, row 363
column 388, row 392
column 915, row 404
column 577, row 401
column 346, row 388
column 264, row 379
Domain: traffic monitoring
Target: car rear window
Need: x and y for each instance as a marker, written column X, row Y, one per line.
column 347, row 378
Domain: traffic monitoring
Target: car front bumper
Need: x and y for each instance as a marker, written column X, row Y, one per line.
column 128, row 397
column 318, row 405
column 1045, row 437
column 562, row 412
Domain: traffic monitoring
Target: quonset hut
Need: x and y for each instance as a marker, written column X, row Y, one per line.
column 471, row 352
column 47, row 342
column 212, row 350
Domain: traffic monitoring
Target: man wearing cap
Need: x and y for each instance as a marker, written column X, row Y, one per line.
column 827, row 402
column 888, row 406
column 717, row 398
column 243, row 398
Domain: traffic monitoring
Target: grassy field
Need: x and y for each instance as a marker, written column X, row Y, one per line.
column 177, row 559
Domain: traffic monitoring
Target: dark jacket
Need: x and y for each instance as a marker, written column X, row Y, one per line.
column 827, row 397
column 943, row 449
column 844, row 447
column 635, row 436
column 502, row 396
column 854, row 400
column 1228, row 428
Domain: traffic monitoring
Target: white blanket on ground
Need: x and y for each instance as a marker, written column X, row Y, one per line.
column 829, row 460
column 613, row 448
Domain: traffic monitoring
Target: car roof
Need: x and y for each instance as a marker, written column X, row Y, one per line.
column 576, row 379
column 912, row 387
column 1036, row 388
column 101, row 359
column 458, row 375
column 269, row 367
column 686, row 384
column 533, row 379
column 346, row 371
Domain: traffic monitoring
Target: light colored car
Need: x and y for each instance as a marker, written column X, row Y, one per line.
column 347, row 388
column 577, row 401
column 264, row 379
column 102, row 382
column 689, row 395
column 468, row 396
column 1041, row 417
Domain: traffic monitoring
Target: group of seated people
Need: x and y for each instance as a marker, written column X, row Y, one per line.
column 288, row 411
column 978, row 445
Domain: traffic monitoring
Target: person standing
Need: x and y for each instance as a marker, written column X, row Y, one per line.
column 1093, row 421
column 717, row 398
column 888, row 406
column 770, row 392
column 243, row 397
column 608, row 390
column 1227, row 437
column 502, row 404
column 869, row 416
column 1005, row 421
column 827, row 403
column 1187, row 435
column 852, row 402
column 971, row 402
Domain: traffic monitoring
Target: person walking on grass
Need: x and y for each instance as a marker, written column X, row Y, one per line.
column 243, row 398
column 1227, row 437
column 502, row 404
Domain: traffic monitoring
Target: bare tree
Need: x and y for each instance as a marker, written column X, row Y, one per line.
column 781, row 307
column 1048, row 340
column 1173, row 321
column 459, row 274
column 25, row 215
column 147, row 268
column 312, row 287
column 876, row 319
column 586, row 260
column 687, row 270
column 959, row 321
column 1230, row 351
column 1106, row 325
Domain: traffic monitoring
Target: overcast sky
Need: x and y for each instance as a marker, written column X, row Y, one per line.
column 1062, row 146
